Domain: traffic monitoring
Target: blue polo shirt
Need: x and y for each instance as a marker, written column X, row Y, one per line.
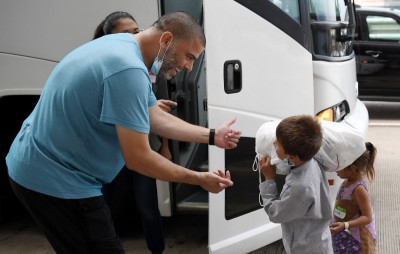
column 68, row 146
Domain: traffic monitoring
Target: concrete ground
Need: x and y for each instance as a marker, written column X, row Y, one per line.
column 188, row 233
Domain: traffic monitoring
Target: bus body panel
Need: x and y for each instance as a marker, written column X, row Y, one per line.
column 271, row 71
column 49, row 30
column 23, row 75
column 334, row 82
column 277, row 81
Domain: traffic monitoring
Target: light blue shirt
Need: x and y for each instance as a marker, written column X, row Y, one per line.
column 303, row 208
column 68, row 146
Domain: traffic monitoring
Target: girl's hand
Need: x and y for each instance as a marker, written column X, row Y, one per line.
column 336, row 227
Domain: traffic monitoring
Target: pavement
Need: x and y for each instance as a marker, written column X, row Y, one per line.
column 189, row 233
column 384, row 193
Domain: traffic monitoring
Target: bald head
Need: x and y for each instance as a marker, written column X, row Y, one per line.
column 182, row 25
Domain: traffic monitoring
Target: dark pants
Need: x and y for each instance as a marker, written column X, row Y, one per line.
column 145, row 189
column 145, row 192
column 72, row 225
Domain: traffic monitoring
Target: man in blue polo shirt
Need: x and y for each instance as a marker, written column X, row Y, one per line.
column 93, row 117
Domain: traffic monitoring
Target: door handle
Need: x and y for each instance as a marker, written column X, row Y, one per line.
column 373, row 53
column 232, row 76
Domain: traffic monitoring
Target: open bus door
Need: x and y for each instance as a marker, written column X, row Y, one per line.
column 258, row 70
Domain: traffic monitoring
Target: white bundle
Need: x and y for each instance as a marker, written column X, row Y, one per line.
column 265, row 137
column 341, row 145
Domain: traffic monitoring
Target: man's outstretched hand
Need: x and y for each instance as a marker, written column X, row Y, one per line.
column 216, row 181
column 225, row 136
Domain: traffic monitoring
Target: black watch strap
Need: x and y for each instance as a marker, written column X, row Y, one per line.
column 211, row 137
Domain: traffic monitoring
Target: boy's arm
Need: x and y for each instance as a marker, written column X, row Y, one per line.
column 288, row 207
column 268, row 192
column 268, row 189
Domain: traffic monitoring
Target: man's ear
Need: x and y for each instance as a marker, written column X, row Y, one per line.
column 165, row 39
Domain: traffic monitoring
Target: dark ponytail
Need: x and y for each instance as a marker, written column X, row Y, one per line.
column 108, row 24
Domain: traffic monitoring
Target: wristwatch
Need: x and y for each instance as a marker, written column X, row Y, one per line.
column 211, row 137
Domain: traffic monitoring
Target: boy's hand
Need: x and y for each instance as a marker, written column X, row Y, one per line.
column 266, row 168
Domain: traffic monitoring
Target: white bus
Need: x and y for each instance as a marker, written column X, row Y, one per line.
column 264, row 60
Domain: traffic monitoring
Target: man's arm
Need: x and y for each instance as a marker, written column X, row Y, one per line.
column 171, row 127
column 138, row 156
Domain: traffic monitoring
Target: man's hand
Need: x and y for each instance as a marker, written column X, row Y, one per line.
column 225, row 137
column 216, row 181
column 266, row 168
column 166, row 105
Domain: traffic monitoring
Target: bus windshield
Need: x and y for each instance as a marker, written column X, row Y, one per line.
column 328, row 10
column 332, row 24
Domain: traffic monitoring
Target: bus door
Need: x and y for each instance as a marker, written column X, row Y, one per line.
column 258, row 69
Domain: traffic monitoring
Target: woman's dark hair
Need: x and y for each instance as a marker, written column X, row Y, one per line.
column 108, row 24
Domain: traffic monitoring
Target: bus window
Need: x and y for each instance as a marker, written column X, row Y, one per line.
column 290, row 7
column 332, row 25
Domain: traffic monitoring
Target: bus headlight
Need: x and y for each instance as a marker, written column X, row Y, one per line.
column 334, row 114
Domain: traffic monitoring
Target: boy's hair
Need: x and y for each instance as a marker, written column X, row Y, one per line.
column 365, row 163
column 300, row 135
column 182, row 25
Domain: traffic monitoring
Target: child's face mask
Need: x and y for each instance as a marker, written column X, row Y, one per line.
column 282, row 168
column 287, row 162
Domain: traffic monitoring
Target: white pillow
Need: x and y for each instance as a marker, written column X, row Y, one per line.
column 341, row 145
